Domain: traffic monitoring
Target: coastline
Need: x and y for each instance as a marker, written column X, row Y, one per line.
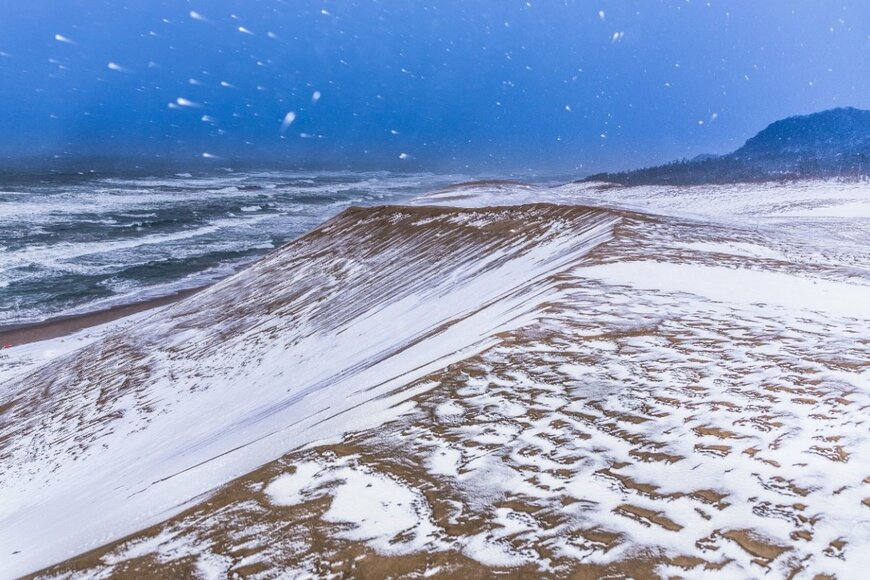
column 65, row 325
column 429, row 342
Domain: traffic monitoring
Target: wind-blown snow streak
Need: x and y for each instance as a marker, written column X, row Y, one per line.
column 312, row 341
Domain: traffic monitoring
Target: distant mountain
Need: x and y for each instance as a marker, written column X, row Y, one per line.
column 834, row 143
column 704, row 157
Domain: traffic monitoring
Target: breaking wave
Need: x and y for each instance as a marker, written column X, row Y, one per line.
column 73, row 247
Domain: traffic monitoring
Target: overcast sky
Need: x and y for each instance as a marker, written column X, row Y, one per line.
column 569, row 85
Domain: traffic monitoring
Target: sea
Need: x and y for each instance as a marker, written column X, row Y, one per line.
column 77, row 244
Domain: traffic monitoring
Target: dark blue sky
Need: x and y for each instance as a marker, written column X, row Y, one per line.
column 493, row 84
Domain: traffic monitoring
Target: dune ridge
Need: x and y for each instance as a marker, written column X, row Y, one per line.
column 307, row 343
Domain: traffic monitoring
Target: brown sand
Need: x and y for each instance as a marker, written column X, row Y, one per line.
column 64, row 325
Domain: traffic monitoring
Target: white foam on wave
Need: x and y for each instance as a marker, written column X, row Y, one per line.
column 65, row 251
column 109, row 206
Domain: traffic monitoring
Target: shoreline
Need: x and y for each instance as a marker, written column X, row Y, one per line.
column 61, row 326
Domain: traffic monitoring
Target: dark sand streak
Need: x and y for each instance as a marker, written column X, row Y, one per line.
column 65, row 325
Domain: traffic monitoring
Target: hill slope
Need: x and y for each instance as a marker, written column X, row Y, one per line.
column 834, row 143
column 320, row 337
column 637, row 394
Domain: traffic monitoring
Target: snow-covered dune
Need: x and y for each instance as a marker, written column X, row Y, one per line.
column 662, row 381
column 319, row 338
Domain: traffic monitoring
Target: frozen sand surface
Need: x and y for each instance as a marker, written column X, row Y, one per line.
column 216, row 385
column 682, row 392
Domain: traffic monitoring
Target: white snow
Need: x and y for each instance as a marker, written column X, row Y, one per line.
column 835, row 208
column 739, row 285
column 736, row 249
column 182, row 102
column 288, row 120
column 378, row 507
column 448, row 409
column 445, row 461
column 287, row 489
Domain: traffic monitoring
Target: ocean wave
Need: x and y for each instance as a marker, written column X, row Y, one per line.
column 83, row 233
column 66, row 251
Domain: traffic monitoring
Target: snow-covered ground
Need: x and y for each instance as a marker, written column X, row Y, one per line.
column 315, row 340
column 674, row 381
column 739, row 202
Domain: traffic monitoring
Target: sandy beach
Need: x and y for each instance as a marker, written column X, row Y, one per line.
column 65, row 325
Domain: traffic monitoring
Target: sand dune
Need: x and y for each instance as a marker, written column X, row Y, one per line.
column 533, row 388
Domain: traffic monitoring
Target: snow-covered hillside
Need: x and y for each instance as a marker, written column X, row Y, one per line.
column 314, row 340
column 830, row 144
column 658, row 381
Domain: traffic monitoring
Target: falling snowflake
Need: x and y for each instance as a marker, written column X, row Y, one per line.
column 182, row 102
column 288, row 120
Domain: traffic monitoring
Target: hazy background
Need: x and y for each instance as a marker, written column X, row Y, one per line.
column 469, row 85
